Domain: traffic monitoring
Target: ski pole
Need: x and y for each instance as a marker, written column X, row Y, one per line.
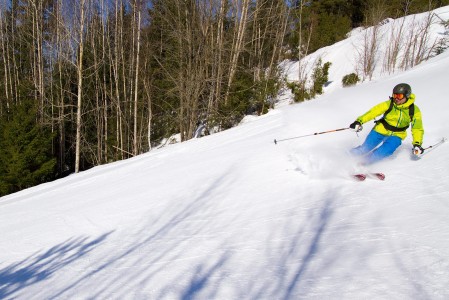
column 316, row 133
column 431, row 147
column 434, row 145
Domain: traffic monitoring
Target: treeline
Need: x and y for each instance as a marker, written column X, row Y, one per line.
column 87, row 82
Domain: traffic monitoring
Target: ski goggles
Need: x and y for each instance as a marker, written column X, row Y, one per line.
column 398, row 96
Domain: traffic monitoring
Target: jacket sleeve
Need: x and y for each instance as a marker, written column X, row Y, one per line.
column 417, row 127
column 375, row 111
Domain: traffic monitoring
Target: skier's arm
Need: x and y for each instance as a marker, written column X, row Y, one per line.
column 376, row 111
column 417, row 127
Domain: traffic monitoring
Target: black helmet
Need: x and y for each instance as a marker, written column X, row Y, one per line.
column 403, row 88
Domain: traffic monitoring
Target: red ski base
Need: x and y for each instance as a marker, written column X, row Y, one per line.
column 362, row 177
column 359, row 177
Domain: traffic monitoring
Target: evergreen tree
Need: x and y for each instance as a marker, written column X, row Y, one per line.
column 25, row 150
column 320, row 77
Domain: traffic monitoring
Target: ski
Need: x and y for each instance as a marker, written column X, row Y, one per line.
column 362, row 177
column 380, row 176
column 359, row 177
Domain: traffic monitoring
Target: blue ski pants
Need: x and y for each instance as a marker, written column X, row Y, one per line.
column 388, row 144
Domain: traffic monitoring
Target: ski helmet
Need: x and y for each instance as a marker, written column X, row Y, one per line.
column 403, row 88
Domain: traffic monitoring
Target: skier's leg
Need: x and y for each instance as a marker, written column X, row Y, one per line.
column 388, row 147
column 372, row 140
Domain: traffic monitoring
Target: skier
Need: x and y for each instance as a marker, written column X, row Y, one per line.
column 390, row 130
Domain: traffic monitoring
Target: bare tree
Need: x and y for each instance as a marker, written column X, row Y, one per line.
column 5, row 58
column 241, row 16
column 269, row 24
column 137, row 13
column 58, row 44
column 36, row 12
column 217, row 45
column 303, row 46
column 82, row 13
column 409, row 43
column 369, row 50
column 395, row 42
column 419, row 46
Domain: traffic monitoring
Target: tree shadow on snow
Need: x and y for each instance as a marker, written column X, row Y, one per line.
column 300, row 259
column 43, row 265
column 153, row 249
column 321, row 222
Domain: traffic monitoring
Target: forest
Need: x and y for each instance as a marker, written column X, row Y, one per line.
column 89, row 82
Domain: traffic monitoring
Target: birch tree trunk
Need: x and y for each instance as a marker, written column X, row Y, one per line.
column 150, row 112
column 37, row 13
column 137, row 6
column 5, row 61
column 242, row 16
column 105, row 41
column 116, row 71
column 80, row 85
column 218, row 64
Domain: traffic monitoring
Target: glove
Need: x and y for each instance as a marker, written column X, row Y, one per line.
column 356, row 126
column 417, row 149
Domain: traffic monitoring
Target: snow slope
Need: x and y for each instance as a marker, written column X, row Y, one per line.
column 233, row 216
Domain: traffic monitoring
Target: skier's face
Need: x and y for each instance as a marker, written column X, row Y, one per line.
column 399, row 98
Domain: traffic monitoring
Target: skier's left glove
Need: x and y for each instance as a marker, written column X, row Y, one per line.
column 417, row 149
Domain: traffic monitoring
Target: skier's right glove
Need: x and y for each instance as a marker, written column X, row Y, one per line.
column 356, row 126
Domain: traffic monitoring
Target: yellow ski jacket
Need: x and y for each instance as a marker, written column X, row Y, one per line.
column 398, row 117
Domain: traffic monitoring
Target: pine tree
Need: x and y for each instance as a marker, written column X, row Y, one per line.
column 25, row 150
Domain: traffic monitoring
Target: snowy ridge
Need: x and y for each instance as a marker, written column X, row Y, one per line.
column 345, row 55
column 234, row 216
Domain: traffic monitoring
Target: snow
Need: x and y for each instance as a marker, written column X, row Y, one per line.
column 234, row 216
